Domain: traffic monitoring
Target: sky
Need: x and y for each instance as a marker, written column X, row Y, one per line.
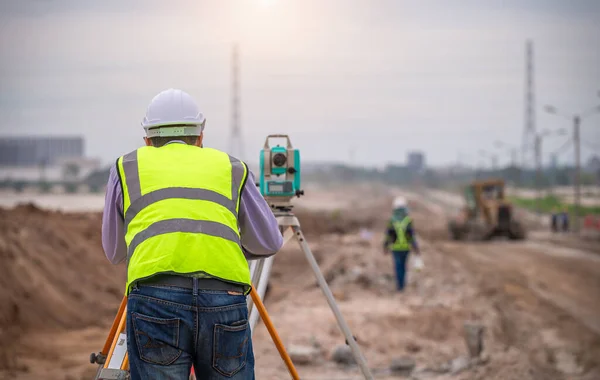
column 358, row 81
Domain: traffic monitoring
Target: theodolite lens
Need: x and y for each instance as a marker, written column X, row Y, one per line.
column 279, row 159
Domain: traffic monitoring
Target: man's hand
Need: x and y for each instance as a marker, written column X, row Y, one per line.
column 385, row 250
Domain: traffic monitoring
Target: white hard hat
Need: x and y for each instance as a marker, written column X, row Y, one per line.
column 173, row 113
column 399, row 202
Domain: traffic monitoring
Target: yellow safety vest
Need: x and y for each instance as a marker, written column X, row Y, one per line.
column 181, row 205
column 401, row 243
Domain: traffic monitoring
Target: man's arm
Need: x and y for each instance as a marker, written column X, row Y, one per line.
column 260, row 233
column 113, row 231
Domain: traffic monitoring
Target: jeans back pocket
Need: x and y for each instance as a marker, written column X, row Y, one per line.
column 230, row 347
column 157, row 339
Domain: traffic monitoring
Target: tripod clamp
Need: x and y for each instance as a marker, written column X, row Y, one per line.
column 97, row 358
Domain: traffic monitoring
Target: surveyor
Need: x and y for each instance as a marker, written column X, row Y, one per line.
column 185, row 219
column 399, row 238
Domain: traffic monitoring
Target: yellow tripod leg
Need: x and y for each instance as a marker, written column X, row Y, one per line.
column 274, row 335
column 115, row 325
column 112, row 360
column 117, row 355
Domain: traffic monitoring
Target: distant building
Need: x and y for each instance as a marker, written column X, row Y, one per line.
column 39, row 151
column 416, row 161
column 52, row 159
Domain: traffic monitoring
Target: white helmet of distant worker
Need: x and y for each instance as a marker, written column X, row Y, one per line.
column 173, row 113
column 399, row 202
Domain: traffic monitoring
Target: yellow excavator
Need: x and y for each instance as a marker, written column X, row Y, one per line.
column 486, row 214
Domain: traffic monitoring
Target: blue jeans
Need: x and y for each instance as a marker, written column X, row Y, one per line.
column 169, row 329
column 400, row 258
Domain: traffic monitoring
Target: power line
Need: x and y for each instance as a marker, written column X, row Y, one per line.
column 590, row 146
column 563, row 148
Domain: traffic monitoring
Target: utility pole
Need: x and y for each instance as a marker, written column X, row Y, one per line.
column 235, row 143
column 529, row 132
column 538, row 173
column 519, row 172
column 554, row 166
column 576, row 141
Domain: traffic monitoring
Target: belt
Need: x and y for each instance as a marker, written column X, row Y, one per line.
column 188, row 283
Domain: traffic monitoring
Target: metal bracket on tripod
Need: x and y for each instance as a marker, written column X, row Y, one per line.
column 261, row 269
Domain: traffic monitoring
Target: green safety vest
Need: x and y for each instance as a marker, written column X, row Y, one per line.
column 181, row 205
column 401, row 243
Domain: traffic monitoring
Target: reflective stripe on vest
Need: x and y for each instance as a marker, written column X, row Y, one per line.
column 180, row 207
column 401, row 243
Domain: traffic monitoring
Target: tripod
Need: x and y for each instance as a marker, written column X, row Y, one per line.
column 113, row 362
column 260, row 271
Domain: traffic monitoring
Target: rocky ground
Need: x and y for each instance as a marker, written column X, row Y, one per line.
column 532, row 306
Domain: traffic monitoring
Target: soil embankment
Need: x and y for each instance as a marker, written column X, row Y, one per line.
column 54, row 278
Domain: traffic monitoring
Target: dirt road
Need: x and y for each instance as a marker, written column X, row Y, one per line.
column 538, row 301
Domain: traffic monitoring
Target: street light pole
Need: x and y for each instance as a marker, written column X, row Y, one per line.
column 538, row 173
column 577, row 142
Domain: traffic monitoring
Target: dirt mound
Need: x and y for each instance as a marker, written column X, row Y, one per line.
column 54, row 274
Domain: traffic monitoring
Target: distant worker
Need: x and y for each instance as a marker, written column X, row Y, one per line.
column 554, row 220
column 564, row 216
column 185, row 218
column 399, row 238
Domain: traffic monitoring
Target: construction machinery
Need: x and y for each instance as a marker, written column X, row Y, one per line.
column 486, row 214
